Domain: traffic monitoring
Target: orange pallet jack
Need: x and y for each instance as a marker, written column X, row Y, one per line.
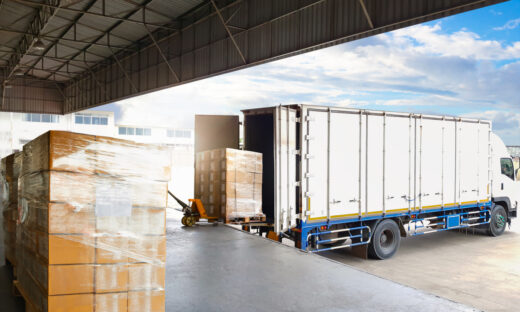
column 193, row 213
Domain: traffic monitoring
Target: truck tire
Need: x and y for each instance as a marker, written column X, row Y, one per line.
column 498, row 222
column 385, row 240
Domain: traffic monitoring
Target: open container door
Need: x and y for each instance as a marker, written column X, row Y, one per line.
column 216, row 131
column 274, row 132
column 286, row 192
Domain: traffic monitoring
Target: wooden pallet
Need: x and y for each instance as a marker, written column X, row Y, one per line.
column 245, row 220
column 18, row 291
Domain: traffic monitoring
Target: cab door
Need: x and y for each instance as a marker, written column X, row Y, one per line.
column 507, row 184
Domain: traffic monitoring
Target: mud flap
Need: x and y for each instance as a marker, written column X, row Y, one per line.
column 360, row 251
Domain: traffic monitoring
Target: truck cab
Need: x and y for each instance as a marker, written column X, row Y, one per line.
column 506, row 187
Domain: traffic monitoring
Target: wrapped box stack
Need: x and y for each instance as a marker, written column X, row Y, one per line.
column 229, row 183
column 9, row 172
column 92, row 224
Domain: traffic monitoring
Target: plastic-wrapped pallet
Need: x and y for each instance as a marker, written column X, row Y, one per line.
column 92, row 224
column 229, row 183
column 9, row 173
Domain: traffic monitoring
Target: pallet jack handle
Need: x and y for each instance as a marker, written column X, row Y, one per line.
column 183, row 204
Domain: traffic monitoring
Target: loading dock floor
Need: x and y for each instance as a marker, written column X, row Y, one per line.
column 474, row 269
column 217, row 268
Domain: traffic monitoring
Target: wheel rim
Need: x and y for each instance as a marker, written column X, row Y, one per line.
column 386, row 240
column 500, row 221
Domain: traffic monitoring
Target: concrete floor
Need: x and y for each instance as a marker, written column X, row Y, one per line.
column 217, row 268
column 474, row 269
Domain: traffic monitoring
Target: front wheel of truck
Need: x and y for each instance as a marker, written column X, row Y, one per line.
column 498, row 222
column 385, row 240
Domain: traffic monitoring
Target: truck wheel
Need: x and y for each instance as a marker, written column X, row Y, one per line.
column 385, row 240
column 183, row 220
column 498, row 222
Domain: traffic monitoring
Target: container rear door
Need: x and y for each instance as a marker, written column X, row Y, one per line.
column 285, row 168
column 315, row 164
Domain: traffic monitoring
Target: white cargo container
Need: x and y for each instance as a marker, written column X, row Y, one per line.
column 337, row 177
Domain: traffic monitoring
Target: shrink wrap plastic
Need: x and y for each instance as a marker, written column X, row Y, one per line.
column 9, row 172
column 92, row 224
column 229, row 183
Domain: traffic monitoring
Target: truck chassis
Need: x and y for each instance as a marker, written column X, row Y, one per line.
column 337, row 234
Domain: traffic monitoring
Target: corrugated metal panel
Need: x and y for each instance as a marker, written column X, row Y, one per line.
column 33, row 97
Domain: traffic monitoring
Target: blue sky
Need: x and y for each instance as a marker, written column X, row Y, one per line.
column 465, row 65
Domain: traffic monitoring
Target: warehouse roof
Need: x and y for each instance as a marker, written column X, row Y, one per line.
column 69, row 55
column 72, row 36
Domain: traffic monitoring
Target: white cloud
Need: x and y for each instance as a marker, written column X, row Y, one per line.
column 416, row 68
column 506, row 124
column 512, row 24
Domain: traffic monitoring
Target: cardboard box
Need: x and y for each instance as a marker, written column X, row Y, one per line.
column 72, row 303
column 111, row 249
column 145, row 276
column 70, row 279
column 92, row 222
column 149, row 301
column 75, row 152
column 61, row 151
column 112, row 302
column 111, row 278
column 148, row 249
column 229, row 183
column 66, row 249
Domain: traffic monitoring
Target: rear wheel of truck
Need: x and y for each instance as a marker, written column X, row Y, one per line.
column 498, row 222
column 385, row 240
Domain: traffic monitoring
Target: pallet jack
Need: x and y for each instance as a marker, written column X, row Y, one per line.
column 193, row 213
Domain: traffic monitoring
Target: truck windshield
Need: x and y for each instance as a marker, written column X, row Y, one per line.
column 507, row 167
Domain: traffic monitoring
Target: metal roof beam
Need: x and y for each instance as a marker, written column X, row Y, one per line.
column 229, row 31
column 122, row 19
column 125, row 73
column 86, row 7
column 170, row 18
column 63, row 58
column 107, row 33
column 65, row 39
column 365, row 11
column 88, row 26
column 165, row 59
column 39, row 22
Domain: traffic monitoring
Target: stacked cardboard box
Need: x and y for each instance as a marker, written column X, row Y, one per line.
column 229, row 183
column 92, row 230
column 9, row 172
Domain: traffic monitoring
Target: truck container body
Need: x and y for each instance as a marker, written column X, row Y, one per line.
column 333, row 173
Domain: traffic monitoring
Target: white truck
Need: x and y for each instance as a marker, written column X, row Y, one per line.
column 337, row 177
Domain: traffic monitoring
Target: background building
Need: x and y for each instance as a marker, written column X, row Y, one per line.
column 16, row 129
column 515, row 153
